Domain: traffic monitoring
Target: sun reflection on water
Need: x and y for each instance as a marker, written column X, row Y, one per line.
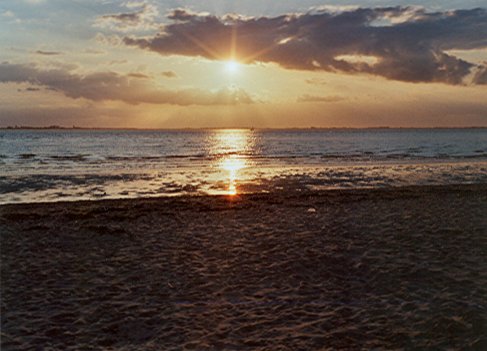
column 233, row 146
column 232, row 164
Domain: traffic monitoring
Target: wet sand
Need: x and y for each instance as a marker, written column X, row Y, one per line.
column 365, row 269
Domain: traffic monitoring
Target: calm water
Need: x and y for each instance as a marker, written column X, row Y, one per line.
column 52, row 165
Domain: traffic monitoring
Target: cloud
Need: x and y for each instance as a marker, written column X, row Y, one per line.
column 315, row 98
column 333, row 8
column 94, row 52
column 29, row 89
column 169, row 74
column 398, row 43
column 112, row 40
column 481, row 76
column 8, row 13
column 10, row 17
column 48, row 53
column 140, row 20
column 100, row 86
column 316, row 81
column 138, row 75
column 117, row 62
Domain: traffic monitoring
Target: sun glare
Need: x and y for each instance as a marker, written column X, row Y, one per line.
column 232, row 145
column 232, row 165
column 232, row 66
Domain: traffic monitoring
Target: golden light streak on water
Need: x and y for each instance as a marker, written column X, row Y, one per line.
column 233, row 145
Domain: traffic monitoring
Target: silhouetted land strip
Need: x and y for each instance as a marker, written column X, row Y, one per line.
column 56, row 127
column 373, row 269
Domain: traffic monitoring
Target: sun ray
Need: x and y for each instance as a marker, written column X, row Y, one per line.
column 233, row 42
column 253, row 56
column 213, row 54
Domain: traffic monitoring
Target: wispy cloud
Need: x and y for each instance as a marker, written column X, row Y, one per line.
column 8, row 13
column 134, row 88
column 317, row 98
column 398, row 43
column 10, row 17
column 110, row 40
column 94, row 52
column 48, row 53
column 169, row 74
column 138, row 75
column 29, row 89
column 316, row 81
column 142, row 19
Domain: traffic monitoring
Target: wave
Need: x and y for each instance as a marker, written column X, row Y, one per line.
column 79, row 157
column 366, row 156
column 26, row 156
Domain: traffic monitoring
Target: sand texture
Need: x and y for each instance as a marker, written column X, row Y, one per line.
column 363, row 269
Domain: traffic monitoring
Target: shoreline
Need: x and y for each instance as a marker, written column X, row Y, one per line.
column 407, row 190
column 343, row 269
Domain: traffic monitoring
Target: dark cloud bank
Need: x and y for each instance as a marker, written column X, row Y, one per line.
column 133, row 88
column 408, row 44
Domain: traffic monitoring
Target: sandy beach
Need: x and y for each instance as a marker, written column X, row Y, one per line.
column 358, row 269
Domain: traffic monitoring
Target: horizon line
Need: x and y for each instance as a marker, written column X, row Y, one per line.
column 57, row 127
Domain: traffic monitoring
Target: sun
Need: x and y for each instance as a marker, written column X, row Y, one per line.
column 232, row 66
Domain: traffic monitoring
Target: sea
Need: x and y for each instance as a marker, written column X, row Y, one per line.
column 45, row 165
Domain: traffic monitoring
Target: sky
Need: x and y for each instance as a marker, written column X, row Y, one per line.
column 243, row 63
